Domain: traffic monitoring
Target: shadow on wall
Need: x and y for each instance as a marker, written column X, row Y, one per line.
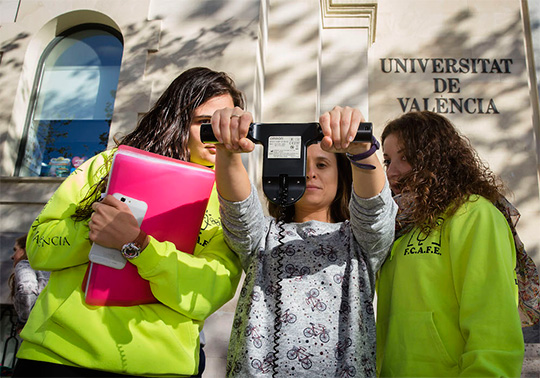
column 8, row 64
column 506, row 137
column 204, row 45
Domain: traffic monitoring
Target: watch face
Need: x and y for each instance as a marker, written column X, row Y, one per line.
column 130, row 251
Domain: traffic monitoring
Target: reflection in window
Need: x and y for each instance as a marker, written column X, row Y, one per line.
column 73, row 105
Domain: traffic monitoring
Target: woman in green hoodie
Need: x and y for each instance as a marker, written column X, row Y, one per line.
column 64, row 336
column 447, row 295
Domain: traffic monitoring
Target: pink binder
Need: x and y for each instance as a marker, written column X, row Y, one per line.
column 177, row 195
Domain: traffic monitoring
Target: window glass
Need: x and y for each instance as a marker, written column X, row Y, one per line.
column 73, row 105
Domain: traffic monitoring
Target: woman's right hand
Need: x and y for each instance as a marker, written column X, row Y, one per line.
column 231, row 126
column 112, row 224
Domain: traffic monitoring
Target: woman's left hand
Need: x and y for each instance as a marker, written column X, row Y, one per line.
column 339, row 127
column 112, row 224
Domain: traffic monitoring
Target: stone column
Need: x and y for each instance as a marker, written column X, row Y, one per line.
column 348, row 30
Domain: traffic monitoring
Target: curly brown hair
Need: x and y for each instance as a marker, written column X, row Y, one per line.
column 446, row 169
column 164, row 129
column 339, row 208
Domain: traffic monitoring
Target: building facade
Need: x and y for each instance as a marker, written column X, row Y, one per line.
column 76, row 74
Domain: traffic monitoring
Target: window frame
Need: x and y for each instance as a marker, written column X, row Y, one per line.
column 36, row 85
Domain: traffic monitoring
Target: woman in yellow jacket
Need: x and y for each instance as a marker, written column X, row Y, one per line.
column 65, row 336
column 447, row 295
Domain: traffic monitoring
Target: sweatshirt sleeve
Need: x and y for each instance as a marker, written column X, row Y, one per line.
column 55, row 241
column 244, row 226
column 483, row 261
column 195, row 285
column 373, row 225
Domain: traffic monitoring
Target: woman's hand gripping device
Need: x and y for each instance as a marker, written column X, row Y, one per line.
column 285, row 151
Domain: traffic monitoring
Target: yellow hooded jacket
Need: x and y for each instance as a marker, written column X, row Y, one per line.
column 447, row 302
column 159, row 339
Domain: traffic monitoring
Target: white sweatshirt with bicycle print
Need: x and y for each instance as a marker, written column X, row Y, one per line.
column 306, row 305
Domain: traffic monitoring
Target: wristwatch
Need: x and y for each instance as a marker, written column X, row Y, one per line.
column 133, row 250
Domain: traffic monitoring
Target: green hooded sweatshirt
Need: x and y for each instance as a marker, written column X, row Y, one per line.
column 447, row 302
column 159, row 339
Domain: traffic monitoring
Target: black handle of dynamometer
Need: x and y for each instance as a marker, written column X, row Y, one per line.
column 285, row 146
column 364, row 133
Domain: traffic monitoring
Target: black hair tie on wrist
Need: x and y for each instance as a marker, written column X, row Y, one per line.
column 375, row 145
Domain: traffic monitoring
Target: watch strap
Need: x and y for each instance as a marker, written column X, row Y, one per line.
column 140, row 239
column 133, row 250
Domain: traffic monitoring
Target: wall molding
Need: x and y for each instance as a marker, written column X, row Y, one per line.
column 350, row 14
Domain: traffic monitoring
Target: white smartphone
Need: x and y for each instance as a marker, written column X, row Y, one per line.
column 112, row 257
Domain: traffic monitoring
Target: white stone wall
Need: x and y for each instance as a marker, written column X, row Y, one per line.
column 462, row 29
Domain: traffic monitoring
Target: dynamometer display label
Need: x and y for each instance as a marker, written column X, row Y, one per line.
column 284, row 147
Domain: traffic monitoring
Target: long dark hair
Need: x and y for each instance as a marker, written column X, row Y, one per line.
column 339, row 209
column 446, row 169
column 21, row 242
column 164, row 129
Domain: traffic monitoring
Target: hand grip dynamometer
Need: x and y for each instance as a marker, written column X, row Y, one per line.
column 285, row 147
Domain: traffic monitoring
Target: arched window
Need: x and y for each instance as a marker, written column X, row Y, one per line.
column 73, row 100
